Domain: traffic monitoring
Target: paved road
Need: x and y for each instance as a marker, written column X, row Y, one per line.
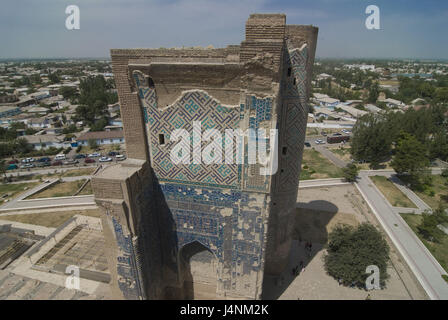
column 330, row 156
column 24, row 172
column 321, row 183
column 426, row 268
column 402, row 187
column 20, row 204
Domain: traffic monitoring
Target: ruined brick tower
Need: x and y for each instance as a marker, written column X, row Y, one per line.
column 206, row 230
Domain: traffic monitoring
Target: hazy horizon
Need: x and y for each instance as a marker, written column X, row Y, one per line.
column 36, row 30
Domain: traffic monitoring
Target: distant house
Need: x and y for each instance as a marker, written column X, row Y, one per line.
column 9, row 111
column 116, row 121
column 114, row 107
column 418, row 102
column 324, row 76
column 352, row 111
column 101, row 137
column 328, row 102
column 113, row 128
column 45, row 141
column 372, row 108
column 391, row 103
column 38, row 123
column 8, row 98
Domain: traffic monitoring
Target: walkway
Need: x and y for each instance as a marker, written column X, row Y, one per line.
column 425, row 267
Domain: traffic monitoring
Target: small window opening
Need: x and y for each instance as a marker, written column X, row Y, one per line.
column 294, row 82
column 284, row 150
column 289, row 72
column 150, row 83
column 161, row 139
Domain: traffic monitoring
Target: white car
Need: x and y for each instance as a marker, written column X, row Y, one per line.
column 60, row 157
column 94, row 155
column 105, row 159
column 120, row 157
column 319, row 141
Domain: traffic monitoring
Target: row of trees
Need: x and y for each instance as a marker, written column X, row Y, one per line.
column 411, row 136
column 413, row 88
column 95, row 94
column 429, row 226
column 17, row 146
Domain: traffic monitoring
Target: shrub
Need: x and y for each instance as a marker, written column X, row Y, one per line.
column 445, row 277
column 351, row 250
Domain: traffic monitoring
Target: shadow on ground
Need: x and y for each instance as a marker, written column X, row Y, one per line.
column 311, row 223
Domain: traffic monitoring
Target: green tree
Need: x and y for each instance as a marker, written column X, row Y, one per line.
column 371, row 139
column 3, row 166
column 92, row 144
column 68, row 92
column 374, row 92
column 54, row 78
column 428, row 227
column 410, row 155
column 352, row 249
column 350, row 172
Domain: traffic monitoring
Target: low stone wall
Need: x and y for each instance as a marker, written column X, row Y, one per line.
column 48, row 243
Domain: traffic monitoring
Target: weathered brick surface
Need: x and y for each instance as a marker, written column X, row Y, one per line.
column 159, row 214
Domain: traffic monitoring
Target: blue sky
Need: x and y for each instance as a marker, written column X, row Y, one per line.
column 36, row 28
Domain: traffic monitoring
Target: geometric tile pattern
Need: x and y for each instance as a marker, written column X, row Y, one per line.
column 202, row 221
column 192, row 106
column 296, row 111
column 128, row 280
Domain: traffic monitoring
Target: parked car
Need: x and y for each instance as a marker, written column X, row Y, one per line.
column 13, row 161
column 105, row 159
column 27, row 166
column 307, row 144
column 60, row 157
column 43, row 164
column 28, row 160
column 94, row 155
column 12, row 166
column 57, row 163
column 113, row 154
column 89, row 160
column 44, row 159
column 68, row 162
column 80, row 156
column 120, row 157
column 319, row 141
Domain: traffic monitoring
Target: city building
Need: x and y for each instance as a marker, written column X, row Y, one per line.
column 101, row 137
column 9, row 111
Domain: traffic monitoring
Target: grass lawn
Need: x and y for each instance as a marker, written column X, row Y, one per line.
column 315, row 166
column 438, row 250
column 63, row 189
column 395, row 197
column 440, row 192
column 312, row 131
column 13, row 190
column 49, row 219
column 56, row 173
column 342, row 153
column 86, row 190
column 73, row 173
